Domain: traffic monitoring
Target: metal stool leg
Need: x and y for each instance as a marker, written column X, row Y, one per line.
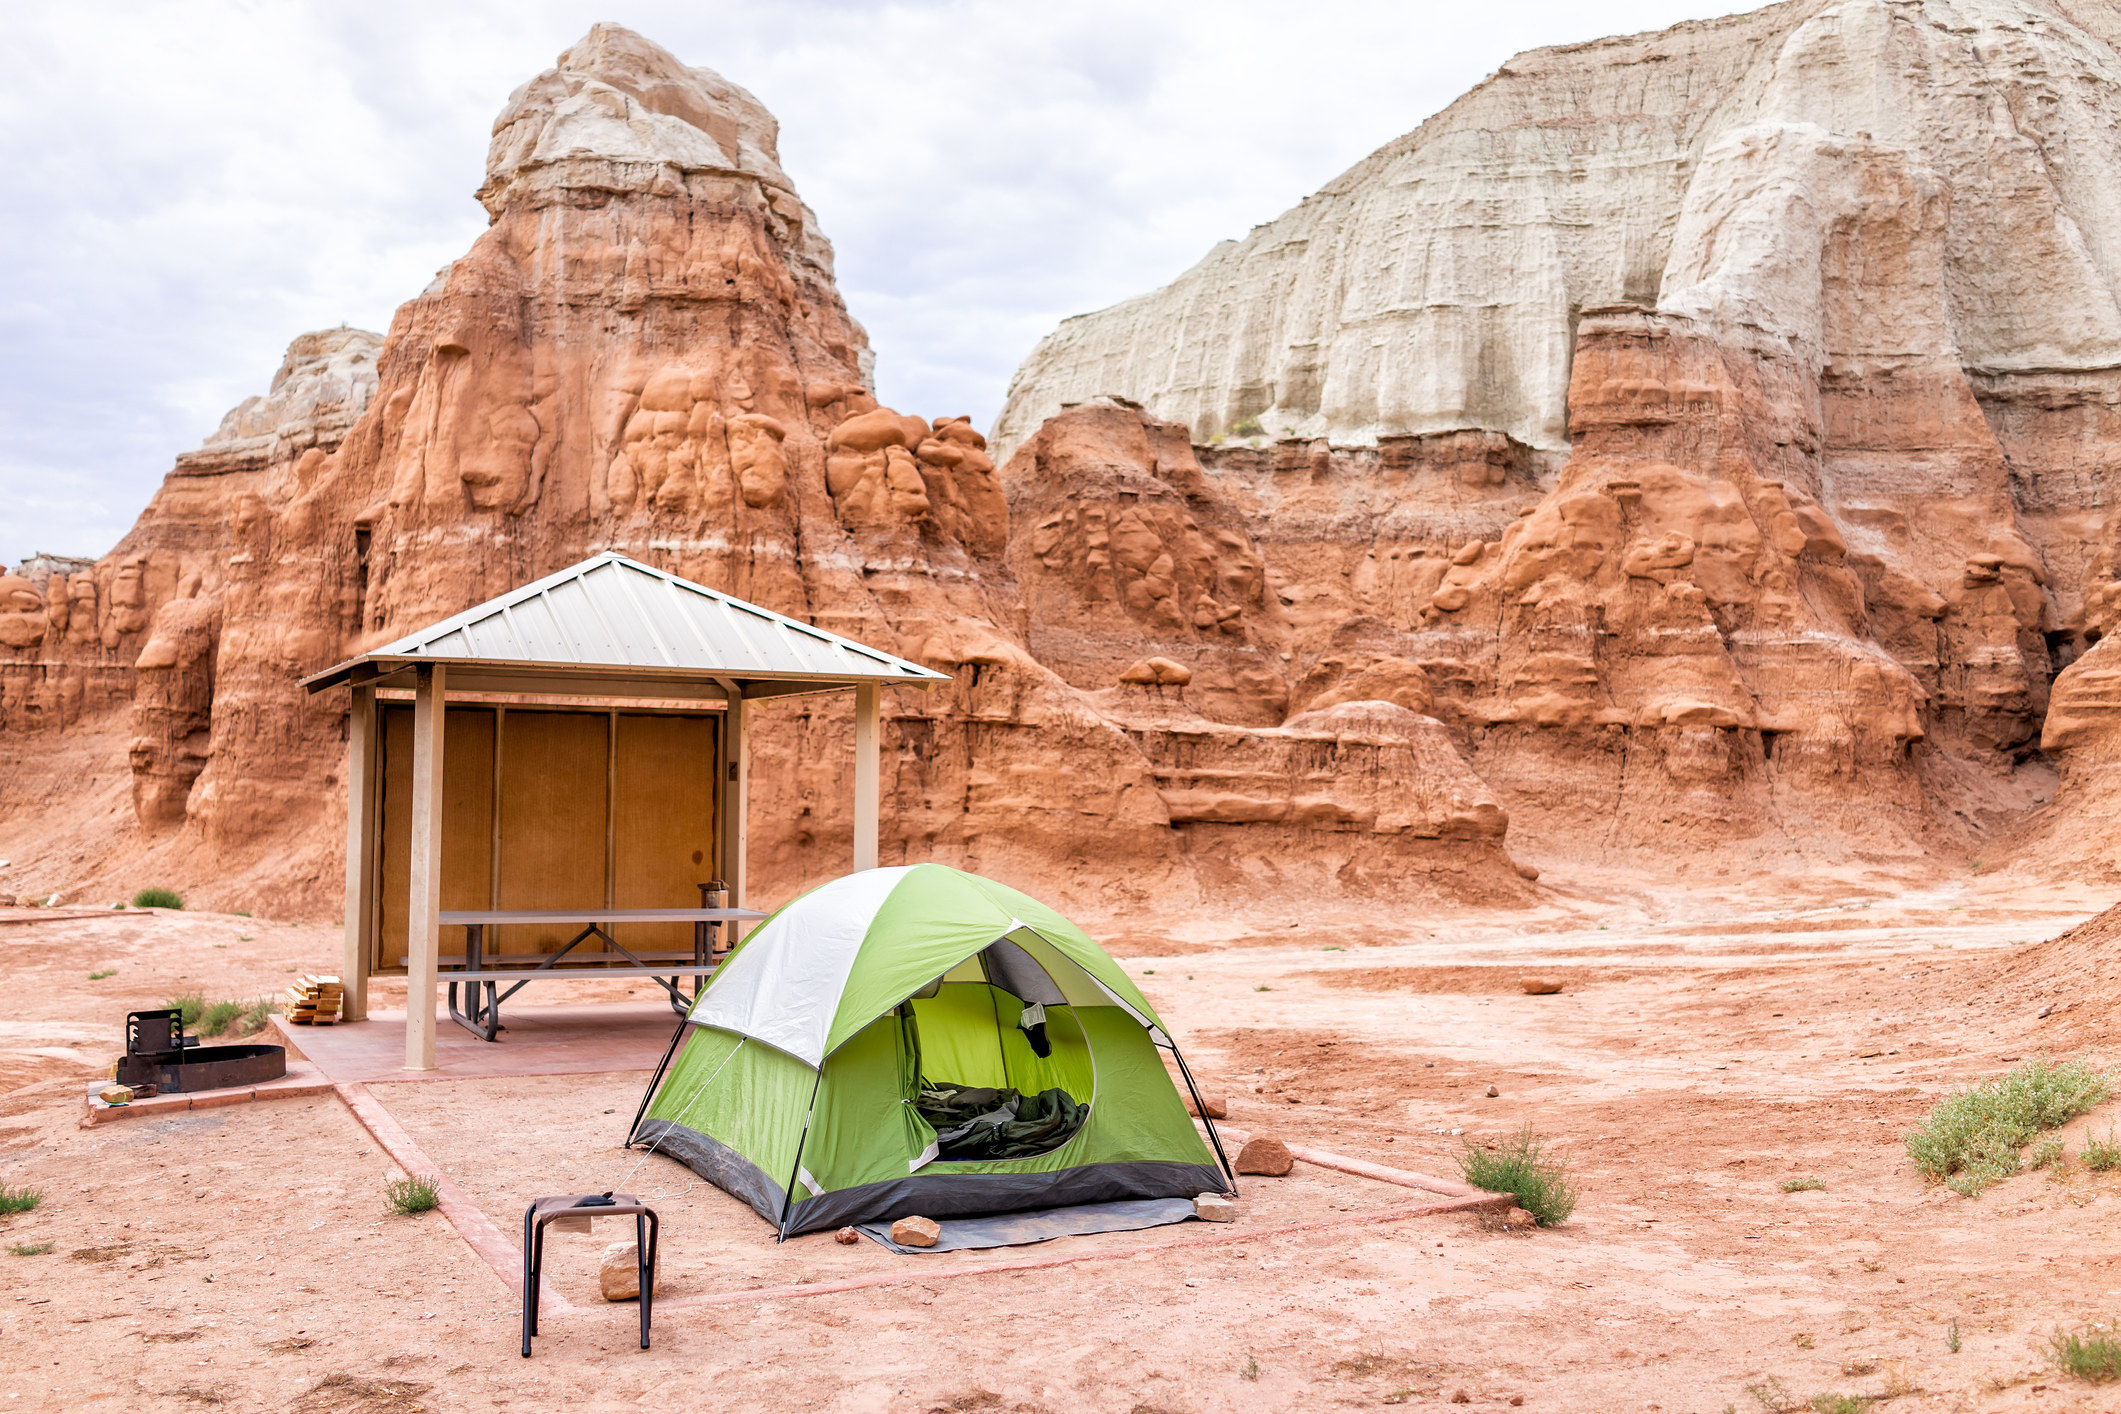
column 530, row 1279
column 655, row 1227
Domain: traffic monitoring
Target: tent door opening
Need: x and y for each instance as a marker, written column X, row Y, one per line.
column 981, row 1086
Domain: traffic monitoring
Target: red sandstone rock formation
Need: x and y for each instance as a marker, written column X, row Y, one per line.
column 646, row 350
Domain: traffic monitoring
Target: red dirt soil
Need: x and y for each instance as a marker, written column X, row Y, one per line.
column 242, row 1258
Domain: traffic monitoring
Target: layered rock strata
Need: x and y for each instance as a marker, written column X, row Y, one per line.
column 645, row 350
column 1736, row 473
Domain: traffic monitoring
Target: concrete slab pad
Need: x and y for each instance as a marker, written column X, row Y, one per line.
column 550, row 1040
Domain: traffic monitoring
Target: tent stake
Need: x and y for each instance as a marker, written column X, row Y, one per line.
column 1200, row 1107
column 633, row 1135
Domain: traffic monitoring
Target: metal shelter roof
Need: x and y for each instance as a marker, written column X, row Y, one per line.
column 612, row 626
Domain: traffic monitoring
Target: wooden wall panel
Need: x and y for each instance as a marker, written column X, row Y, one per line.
column 664, row 821
column 555, row 784
column 467, row 824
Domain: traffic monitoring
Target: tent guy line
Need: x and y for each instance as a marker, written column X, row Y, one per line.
column 650, row 1151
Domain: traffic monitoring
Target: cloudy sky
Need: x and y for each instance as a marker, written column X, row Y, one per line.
column 196, row 181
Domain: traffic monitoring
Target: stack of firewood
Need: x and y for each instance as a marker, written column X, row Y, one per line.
column 313, row 1001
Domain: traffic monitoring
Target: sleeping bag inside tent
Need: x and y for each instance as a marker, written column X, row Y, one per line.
column 922, row 1040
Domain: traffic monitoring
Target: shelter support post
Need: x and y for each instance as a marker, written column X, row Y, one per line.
column 359, row 945
column 736, row 794
column 424, row 902
column 868, row 800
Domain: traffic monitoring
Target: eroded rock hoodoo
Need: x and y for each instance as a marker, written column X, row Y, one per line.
column 646, row 351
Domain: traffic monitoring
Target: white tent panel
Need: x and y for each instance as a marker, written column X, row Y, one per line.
column 786, row 997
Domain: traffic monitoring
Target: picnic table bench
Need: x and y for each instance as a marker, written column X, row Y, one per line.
column 482, row 1015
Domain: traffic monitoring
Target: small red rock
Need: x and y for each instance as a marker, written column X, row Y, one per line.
column 1539, row 986
column 846, row 1237
column 1268, row 1157
column 1217, row 1106
column 916, row 1232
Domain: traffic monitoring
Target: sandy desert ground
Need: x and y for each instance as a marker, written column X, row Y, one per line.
column 1704, row 1050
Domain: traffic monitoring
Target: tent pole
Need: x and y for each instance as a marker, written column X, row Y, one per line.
column 788, row 1193
column 1200, row 1107
column 662, row 1065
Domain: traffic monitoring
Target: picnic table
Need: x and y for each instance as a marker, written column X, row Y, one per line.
column 666, row 969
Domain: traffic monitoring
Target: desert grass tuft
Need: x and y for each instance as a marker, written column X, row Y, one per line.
column 1801, row 1185
column 30, row 1249
column 2102, row 1154
column 189, row 1007
column 415, row 1193
column 19, row 1200
column 1973, row 1137
column 1540, row 1185
column 255, row 1014
column 158, row 898
column 1840, row 1403
column 217, row 1017
column 1772, row 1394
column 2093, row 1353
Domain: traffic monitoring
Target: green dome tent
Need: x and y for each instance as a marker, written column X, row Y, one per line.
column 922, row 1040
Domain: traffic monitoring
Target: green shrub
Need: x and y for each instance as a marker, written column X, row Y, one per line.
column 1540, row 1185
column 415, row 1193
column 1801, row 1185
column 1973, row 1137
column 2048, row 1153
column 2101, row 1154
column 158, row 898
column 19, row 1200
column 1248, row 428
column 30, row 1249
column 254, row 1015
column 218, row 1017
column 189, row 1007
column 2093, row 1353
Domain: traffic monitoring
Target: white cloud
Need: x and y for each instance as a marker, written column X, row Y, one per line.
column 193, row 182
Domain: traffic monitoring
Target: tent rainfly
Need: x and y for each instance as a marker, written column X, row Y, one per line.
column 893, row 1042
column 595, row 724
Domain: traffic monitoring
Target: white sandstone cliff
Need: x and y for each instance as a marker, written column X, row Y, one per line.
column 1703, row 170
